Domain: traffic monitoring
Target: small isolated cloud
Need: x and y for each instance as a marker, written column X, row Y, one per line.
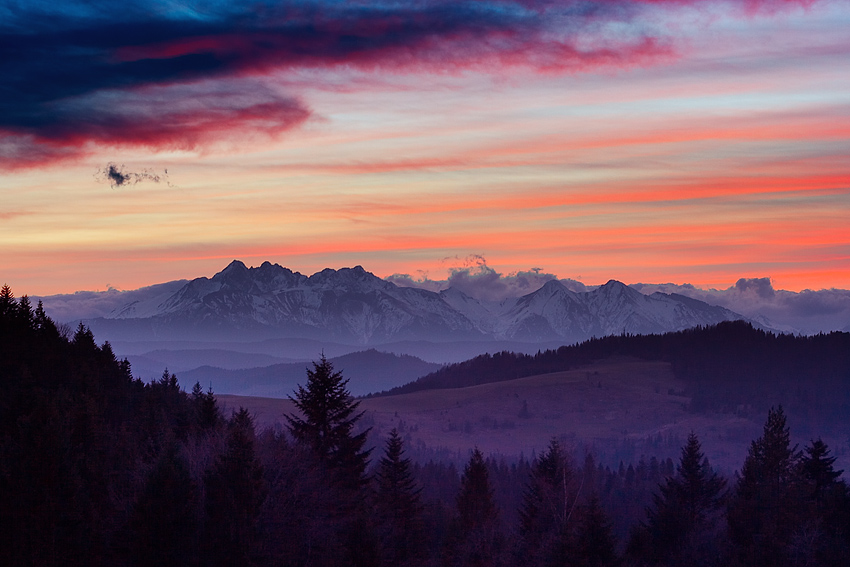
column 118, row 176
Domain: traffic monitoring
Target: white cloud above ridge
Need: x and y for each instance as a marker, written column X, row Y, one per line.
column 805, row 312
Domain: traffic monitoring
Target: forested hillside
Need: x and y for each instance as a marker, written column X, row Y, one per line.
column 722, row 368
column 98, row 468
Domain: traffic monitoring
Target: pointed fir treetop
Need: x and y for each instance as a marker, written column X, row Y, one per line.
column 475, row 501
column 552, row 465
column 327, row 408
column 328, row 415
column 771, row 459
column 546, row 498
column 596, row 544
column 696, row 487
column 817, row 466
column 396, row 487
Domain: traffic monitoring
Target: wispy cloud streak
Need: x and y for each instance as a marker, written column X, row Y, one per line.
column 178, row 75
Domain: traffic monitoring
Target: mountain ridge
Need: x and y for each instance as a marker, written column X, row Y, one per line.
column 352, row 305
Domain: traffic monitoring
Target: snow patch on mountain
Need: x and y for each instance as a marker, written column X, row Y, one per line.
column 351, row 305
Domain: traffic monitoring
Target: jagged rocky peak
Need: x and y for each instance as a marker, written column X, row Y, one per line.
column 235, row 273
column 268, row 276
column 234, row 266
column 352, row 279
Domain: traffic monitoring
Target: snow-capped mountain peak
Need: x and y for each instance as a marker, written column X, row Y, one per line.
column 354, row 305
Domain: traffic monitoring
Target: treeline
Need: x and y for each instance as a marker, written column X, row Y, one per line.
column 98, row 468
column 722, row 368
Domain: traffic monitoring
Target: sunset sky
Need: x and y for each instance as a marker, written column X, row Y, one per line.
column 641, row 140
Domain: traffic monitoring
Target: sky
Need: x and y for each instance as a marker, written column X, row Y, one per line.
column 655, row 141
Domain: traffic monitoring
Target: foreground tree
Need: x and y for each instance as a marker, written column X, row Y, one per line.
column 817, row 468
column 822, row 535
column 398, row 505
column 325, row 426
column 683, row 524
column 326, row 423
column 594, row 544
column 766, row 507
column 547, row 505
column 235, row 491
column 476, row 538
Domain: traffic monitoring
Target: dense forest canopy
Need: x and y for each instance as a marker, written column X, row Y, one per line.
column 98, row 468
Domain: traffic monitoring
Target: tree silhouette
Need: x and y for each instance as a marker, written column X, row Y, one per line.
column 235, row 491
column 817, row 467
column 476, row 539
column 546, row 507
column 398, row 503
column 595, row 545
column 766, row 509
column 475, row 503
column 682, row 522
column 207, row 414
column 328, row 416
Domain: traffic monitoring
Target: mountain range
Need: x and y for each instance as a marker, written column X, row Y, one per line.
column 352, row 306
column 253, row 330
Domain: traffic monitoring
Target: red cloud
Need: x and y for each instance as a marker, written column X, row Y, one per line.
column 152, row 78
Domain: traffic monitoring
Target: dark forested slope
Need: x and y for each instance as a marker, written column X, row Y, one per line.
column 721, row 367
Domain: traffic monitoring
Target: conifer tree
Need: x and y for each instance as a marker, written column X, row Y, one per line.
column 398, row 503
column 326, row 423
column 7, row 302
column 765, row 508
column 235, row 491
column 547, row 503
column 822, row 538
column 595, row 544
column 817, row 467
column 207, row 414
column 476, row 540
column 684, row 513
column 475, row 503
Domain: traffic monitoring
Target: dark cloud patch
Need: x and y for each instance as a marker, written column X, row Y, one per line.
column 761, row 286
column 83, row 72
column 118, row 176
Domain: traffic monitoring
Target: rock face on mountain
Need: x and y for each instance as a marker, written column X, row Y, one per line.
column 354, row 306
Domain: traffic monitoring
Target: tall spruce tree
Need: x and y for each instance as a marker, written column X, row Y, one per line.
column 594, row 542
column 817, row 468
column 475, row 504
column 683, row 520
column 398, row 505
column 766, row 506
column 547, row 503
column 822, row 535
column 326, row 423
column 476, row 540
